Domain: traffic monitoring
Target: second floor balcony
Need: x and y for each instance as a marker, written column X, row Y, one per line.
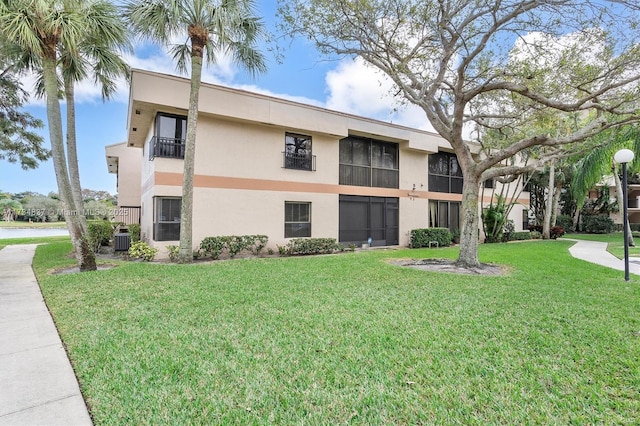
column 299, row 161
column 166, row 148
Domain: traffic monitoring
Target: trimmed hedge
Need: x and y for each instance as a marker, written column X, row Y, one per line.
column 233, row 244
column 521, row 236
column 423, row 236
column 309, row 246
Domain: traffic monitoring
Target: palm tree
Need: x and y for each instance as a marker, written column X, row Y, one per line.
column 212, row 28
column 41, row 29
column 97, row 53
column 590, row 169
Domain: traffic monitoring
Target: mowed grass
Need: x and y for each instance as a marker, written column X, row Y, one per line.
column 350, row 338
column 32, row 240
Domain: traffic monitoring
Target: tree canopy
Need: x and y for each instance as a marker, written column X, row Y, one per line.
column 480, row 66
column 19, row 142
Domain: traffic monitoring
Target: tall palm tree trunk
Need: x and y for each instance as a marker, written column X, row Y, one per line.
column 72, row 154
column 185, row 253
column 84, row 255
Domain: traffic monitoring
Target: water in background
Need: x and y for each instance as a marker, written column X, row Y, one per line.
column 31, row 232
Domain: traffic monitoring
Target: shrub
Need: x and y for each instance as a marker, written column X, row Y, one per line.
column 455, row 236
column 509, row 230
column 259, row 242
column 521, row 236
column 308, row 246
column 100, row 234
column 213, row 246
column 535, row 235
column 566, row 222
column 141, row 250
column 597, row 224
column 556, row 232
column 173, row 252
column 423, row 236
column 233, row 244
column 494, row 218
column 490, row 239
column 536, row 228
column 282, row 250
column 134, row 231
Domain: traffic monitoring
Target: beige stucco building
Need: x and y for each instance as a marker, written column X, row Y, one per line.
column 271, row 166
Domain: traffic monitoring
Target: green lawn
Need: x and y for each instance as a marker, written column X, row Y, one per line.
column 32, row 240
column 352, row 339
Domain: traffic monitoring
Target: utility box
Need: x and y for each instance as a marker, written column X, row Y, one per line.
column 122, row 241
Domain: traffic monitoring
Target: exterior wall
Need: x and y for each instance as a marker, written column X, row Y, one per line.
column 240, row 185
column 125, row 161
column 128, row 170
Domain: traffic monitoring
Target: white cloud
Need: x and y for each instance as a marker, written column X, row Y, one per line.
column 357, row 88
column 353, row 87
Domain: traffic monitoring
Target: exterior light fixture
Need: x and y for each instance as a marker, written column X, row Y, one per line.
column 623, row 157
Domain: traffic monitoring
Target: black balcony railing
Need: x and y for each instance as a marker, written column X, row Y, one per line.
column 299, row 161
column 166, row 147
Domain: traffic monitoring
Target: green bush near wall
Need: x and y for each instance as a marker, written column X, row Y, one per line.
column 309, row 246
column 100, row 233
column 423, row 236
column 597, row 224
column 134, row 231
column 232, row 244
column 521, row 236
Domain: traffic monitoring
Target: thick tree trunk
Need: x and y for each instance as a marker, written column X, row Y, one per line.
column 620, row 196
column 84, row 255
column 468, row 257
column 185, row 253
column 72, row 154
column 546, row 226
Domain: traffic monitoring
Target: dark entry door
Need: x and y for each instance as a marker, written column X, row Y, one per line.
column 362, row 218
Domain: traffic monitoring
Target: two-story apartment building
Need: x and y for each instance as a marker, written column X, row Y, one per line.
column 272, row 166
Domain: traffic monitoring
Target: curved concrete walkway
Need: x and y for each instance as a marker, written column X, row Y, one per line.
column 39, row 386
column 596, row 252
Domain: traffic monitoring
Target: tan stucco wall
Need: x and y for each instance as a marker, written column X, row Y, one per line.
column 240, row 184
column 129, row 172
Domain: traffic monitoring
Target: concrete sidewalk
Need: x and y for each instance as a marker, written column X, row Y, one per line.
column 596, row 252
column 39, row 386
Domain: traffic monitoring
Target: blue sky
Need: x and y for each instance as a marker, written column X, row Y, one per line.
column 340, row 84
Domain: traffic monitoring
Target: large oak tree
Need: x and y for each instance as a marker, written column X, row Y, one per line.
column 474, row 65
